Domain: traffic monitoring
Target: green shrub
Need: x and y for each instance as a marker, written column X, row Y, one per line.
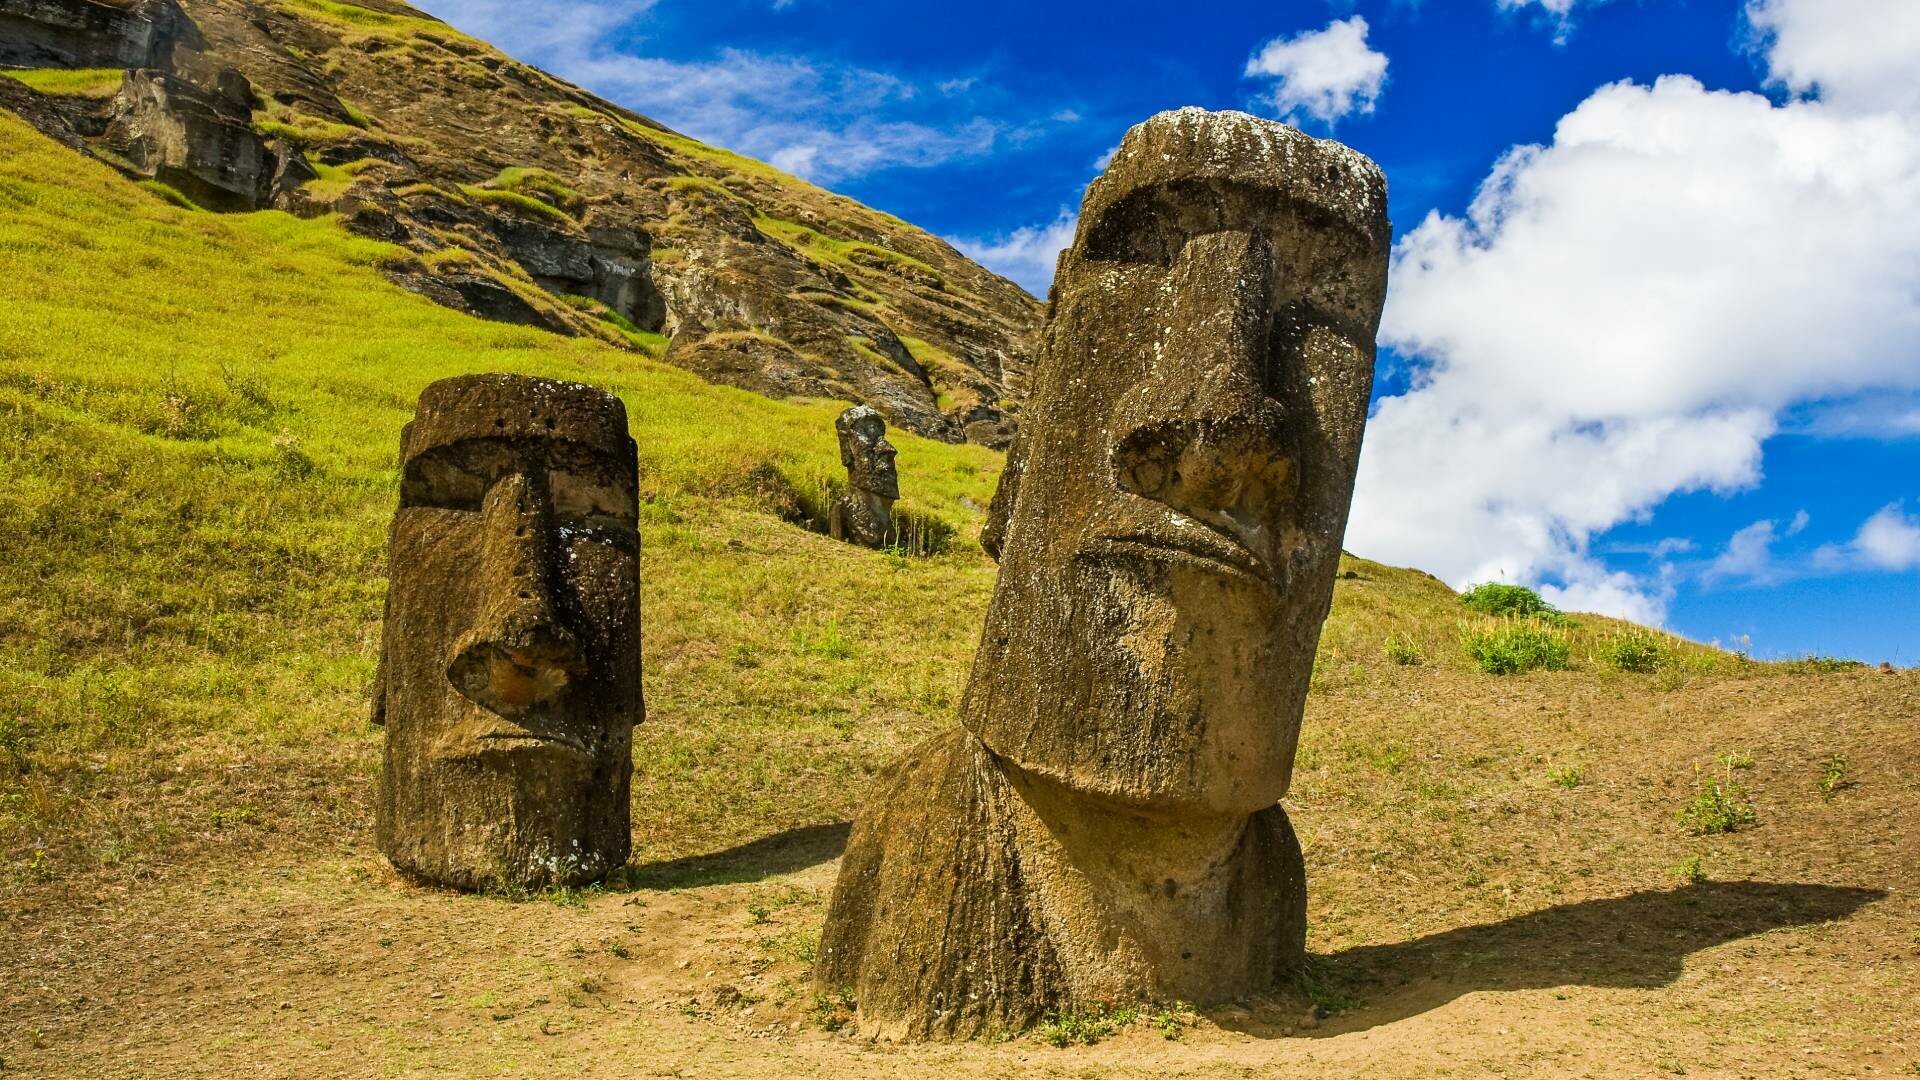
column 1494, row 598
column 1516, row 646
column 1568, row 776
column 1635, row 650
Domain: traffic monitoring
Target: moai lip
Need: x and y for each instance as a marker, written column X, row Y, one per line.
column 509, row 678
column 864, row 515
column 1105, row 827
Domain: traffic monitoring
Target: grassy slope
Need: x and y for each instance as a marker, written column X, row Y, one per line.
column 198, row 418
column 198, row 422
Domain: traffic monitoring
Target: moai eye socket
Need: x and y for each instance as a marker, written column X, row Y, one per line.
column 454, row 477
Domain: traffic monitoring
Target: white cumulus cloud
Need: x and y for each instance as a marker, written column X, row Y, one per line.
column 824, row 120
column 1626, row 312
column 1026, row 255
column 1890, row 539
column 1325, row 74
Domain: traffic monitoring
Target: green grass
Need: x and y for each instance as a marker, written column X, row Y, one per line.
column 842, row 253
column 1514, row 646
column 200, row 465
column 353, row 16
column 544, row 186
column 513, row 200
column 1634, row 650
column 1720, row 806
column 97, row 83
column 1084, row 1028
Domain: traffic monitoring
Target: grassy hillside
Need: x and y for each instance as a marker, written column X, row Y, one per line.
column 199, row 417
column 199, row 423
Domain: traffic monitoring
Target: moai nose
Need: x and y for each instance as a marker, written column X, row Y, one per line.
column 520, row 654
column 1202, row 433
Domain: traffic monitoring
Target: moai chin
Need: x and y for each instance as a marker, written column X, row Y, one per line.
column 1105, row 826
column 509, row 678
column 864, row 515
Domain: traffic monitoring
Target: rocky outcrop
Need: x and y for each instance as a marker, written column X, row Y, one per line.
column 1104, row 828
column 197, row 139
column 92, row 33
column 529, row 200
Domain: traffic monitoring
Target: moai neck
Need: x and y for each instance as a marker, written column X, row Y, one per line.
column 1148, row 893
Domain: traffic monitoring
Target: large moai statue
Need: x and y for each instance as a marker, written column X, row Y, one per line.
column 509, row 679
column 1105, row 826
column 864, row 515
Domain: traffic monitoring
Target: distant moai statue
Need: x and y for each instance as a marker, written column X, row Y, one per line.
column 509, row 679
column 864, row 515
column 1105, row 827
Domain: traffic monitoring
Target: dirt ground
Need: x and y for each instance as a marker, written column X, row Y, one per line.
column 1471, row 917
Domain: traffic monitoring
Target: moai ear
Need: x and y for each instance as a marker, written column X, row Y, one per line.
column 993, row 535
column 377, row 712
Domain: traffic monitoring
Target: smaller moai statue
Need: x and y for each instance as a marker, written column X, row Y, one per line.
column 509, row 678
column 864, row 515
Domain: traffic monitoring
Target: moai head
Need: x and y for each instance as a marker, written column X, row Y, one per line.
column 510, row 664
column 866, row 453
column 1186, row 467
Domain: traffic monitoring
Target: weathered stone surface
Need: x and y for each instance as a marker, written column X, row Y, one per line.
column 196, row 137
column 509, row 678
column 864, row 515
column 1105, row 827
column 91, row 33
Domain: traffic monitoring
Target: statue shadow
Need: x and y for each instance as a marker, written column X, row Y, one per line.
column 769, row 856
column 1638, row 941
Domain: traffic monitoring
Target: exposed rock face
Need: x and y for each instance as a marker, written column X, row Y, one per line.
column 197, row 139
column 531, row 201
column 1105, row 827
column 864, row 515
column 509, row 677
column 90, row 33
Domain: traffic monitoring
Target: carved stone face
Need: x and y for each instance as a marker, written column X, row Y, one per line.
column 1188, row 464
column 510, row 663
column 866, row 453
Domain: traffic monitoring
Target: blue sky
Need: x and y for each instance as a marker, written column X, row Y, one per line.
column 1653, row 342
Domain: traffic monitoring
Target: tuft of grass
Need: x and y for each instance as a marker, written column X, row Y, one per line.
column 1314, row 982
column 1403, row 650
column 92, row 83
column 541, row 185
column 1691, row 871
column 832, row 1011
column 1084, row 1028
column 1822, row 665
column 1173, row 1020
column 515, row 201
column 1833, row 776
column 1566, row 776
column 1634, row 650
column 1721, row 806
column 1516, row 646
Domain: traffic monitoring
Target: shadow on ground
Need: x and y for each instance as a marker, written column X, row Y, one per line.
column 781, row 853
column 1636, row 941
